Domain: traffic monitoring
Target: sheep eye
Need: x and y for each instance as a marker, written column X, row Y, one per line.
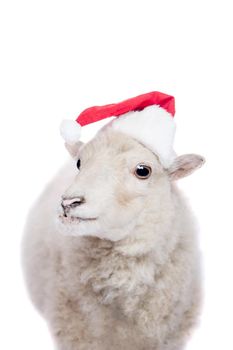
column 142, row 171
column 78, row 163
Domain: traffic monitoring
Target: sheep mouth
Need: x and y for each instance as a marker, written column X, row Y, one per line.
column 74, row 219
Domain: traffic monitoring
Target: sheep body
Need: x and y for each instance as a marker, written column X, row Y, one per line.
column 141, row 291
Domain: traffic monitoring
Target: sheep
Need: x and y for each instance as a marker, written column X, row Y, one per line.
column 110, row 251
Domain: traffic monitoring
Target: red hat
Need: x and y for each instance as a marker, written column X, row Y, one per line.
column 147, row 118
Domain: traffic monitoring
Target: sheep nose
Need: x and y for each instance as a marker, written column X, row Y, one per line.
column 70, row 203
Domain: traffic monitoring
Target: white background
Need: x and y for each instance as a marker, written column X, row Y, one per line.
column 59, row 57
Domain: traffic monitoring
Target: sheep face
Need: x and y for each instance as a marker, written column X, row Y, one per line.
column 116, row 178
column 118, row 182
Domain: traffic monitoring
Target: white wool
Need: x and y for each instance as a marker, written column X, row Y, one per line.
column 154, row 127
column 129, row 280
column 70, row 131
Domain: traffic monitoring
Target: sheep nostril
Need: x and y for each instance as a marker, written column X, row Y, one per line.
column 75, row 204
column 72, row 203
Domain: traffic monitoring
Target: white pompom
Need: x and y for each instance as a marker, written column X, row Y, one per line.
column 70, row 131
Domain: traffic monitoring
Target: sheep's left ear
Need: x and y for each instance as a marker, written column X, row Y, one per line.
column 74, row 148
column 185, row 165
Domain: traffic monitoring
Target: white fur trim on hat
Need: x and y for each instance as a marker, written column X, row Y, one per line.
column 70, row 131
column 154, row 127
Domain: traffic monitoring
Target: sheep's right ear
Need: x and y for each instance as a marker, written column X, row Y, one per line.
column 74, row 148
column 185, row 165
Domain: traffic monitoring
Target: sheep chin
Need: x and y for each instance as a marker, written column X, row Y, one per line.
column 77, row 227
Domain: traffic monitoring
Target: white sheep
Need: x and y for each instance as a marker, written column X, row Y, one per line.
column 125, row 272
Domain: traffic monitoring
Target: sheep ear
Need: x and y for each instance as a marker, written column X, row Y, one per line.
column 73, row 148
column 185, row 165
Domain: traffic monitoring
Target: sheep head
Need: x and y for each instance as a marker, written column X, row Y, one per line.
column 118, row 179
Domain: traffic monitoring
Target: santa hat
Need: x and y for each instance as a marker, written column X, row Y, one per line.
column 147, row 118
